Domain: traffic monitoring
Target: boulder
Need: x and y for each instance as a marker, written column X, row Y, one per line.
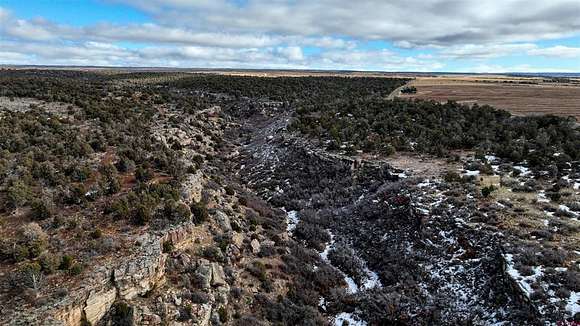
column 223, row 220
column 238, row 239
column 204, row 273
column 192, row 187
column 218, row 275
column 98, row 303
column 255, row 244
column 268, row 243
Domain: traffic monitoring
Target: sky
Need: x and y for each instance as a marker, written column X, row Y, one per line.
column 484, row 36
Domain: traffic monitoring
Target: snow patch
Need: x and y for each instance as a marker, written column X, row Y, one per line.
column 573, row 306
column 524, row 282
column 542, row 197
column 349, row 318
column 471, row 173
column 292, row 220
column 523, row 170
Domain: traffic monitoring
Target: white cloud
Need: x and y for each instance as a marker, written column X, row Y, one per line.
column 277, row 34
column 487, row 51
column 522, row 68
column 409, row 22
column 292, row 53
column 558, row 51
column 375, row 60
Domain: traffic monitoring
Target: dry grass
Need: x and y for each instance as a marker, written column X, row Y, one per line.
column 533, row 217
column 512, row 94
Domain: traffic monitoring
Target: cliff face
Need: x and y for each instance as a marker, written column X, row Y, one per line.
column 123, row 280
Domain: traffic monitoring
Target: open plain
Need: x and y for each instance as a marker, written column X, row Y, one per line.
column 518, row 95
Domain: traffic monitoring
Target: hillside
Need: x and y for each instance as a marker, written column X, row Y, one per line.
column 169, row 198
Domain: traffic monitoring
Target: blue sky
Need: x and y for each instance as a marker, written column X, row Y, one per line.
column 410, row 35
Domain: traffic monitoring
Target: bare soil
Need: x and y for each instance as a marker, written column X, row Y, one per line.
column 516, row 96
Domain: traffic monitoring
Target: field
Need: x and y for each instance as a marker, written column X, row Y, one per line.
column 520, row 96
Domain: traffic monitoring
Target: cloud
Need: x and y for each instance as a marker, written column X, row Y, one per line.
column 558, row 51
column 292, row 53
column 324, row 34
column 474, row 51
column 375, row 60
column 523, row 68
column 409, row 22
column 88, row 53
column 42, row 30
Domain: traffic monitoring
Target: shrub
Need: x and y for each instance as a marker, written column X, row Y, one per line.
column 78, row 173
column 486, row 191
column 314, row 235
column 28, row 276
column 346, row 260
column 142, row 214
column 168, row 247
column 34, row 238
column 119, row 209
column 553, row 195
column 48, row 262
column 143, row 174
column 111, row 185
column 213, row 254
column 185, row 313
column 223, row 314
column 66, row 262
column 389, row 150
column 451, row 176
column 198, row 159
column 96, row 234
column 76, row 269
column 18, row 194
column 176, row 212
column 199, row 211
column 229, row 190
column 125, row 164
column 191, row 169
column 486, row 169
column 19, row 253
column 258, row 270
column 41, row 209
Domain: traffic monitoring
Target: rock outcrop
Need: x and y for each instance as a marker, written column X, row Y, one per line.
column 123, row 279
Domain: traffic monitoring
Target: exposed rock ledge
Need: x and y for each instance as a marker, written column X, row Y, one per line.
column 120, row 280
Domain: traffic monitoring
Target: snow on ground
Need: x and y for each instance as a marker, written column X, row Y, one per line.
column 372, row 281
column 402, row 175
column 542, row 197
column 471, row 173
column 490, row 158
column 573, row 306
column 329, row 245
column 352, row 286
column 292, row 220
column 567, row 209
column 523, row 170
column 524, row 282
column 348, row 317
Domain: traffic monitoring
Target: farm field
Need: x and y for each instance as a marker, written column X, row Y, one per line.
column 520, row 96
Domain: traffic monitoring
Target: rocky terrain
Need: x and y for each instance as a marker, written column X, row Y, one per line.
column 427, row 248
column 265, row 224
